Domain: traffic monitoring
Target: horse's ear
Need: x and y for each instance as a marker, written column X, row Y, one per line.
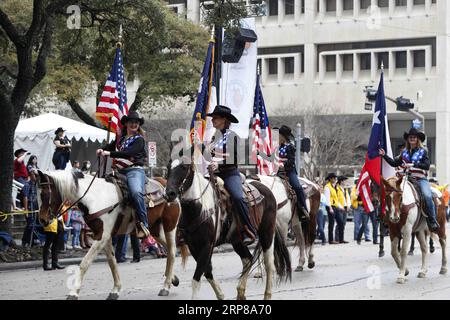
column 399, row 181
column 41, row 175
column 388, row 186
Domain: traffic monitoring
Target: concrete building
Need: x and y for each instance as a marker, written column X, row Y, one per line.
column 324, row 52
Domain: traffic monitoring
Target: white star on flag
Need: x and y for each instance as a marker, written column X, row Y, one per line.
column 376, row 119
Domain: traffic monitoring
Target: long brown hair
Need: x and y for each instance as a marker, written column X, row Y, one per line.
column 408, row 145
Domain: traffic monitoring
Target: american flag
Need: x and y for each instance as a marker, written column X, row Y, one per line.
column 114, row 95
column 262, row 135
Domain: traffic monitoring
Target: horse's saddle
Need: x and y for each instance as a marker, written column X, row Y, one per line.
column 154, row 191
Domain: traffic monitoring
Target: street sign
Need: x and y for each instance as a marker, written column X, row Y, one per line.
column 152, row 154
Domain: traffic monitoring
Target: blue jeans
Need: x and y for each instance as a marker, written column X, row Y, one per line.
column 358, row 216
column 339, row 216
column 26, row 187
column 364, row 228
column 233, row 184
column 136, row 187
column 121, row 247
column 295, row 184
column 60, row 160
column 426, row 191
column 75, row 237
column 321, row 224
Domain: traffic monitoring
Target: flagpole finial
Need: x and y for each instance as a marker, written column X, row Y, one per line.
column 258, row 69
column 213, row 32
column 382, row 65
column 119, row 43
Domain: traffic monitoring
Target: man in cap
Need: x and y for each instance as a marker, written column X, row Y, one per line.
column 331, row 204
column 21, row 174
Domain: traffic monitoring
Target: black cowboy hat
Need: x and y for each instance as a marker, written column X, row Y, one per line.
column 414, row 132
column 286, row 132
column 133, row 115
column 59, row 130
column 342, row 178
column 331, row 176
column 18, row 151
column 225, row 112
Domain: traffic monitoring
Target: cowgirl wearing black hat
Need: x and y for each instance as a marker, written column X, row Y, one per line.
column 415, row 157
column 286, row 153
column 228, row 169
column 129, row 158
column 62, row 151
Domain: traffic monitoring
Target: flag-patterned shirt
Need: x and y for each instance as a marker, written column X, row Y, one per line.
column 130, row 151
column 418, row 156
column 286, row 153
column 220, row 151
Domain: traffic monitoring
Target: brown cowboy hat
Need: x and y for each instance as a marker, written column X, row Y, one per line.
column 133, row 115
column 414, row 132
column 225, row 112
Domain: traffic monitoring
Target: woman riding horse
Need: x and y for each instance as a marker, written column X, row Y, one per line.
column 287, row 169
column 415, row 157
column 227, row 169
column 129, row 158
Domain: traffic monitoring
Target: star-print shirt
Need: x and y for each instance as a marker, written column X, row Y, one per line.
column 286, row 154
column 418, row 156
column 220, row 150
column 130, row 151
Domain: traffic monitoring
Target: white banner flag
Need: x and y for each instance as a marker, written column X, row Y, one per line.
column 238, row 85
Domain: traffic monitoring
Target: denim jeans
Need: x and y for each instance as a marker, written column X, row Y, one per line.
column 59, row 160
column 339, row 215
column 331, row 219
column 358, row 216
column 136, row 187
column 121, row 247
column 364, row 227
column 295, row 184
column 76, row 237
column 426, row 191
column 321, row 224
column 233, row 184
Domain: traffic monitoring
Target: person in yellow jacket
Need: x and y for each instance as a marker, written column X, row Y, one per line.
column 331, row 200
column 341, row 215
column 53, row 232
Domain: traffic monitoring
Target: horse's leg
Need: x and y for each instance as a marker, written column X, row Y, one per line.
column 406, row 233
column 214, row 284
column 382, row 231
column 424, row 248
column 443, row 243
column 310, row 250
column 201, row 257
column 109, row 250
column 259, row 270
column 300, row 241
column 170, row 277
column 97, row 246
column 270, row 267
column 395, row 252
column 246, row 258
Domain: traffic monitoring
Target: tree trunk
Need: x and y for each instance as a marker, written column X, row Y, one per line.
column 83, row 115
column 8, row 123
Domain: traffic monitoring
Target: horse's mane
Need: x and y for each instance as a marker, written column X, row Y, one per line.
column 66, row 182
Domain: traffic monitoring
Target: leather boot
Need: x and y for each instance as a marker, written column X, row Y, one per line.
column 55, row 264
column 303, row 214
column 433, row 225
column 141, row 231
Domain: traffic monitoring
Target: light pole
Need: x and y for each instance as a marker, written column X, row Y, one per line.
column 298, row 143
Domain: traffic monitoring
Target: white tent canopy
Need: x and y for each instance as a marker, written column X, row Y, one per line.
column 36, row 135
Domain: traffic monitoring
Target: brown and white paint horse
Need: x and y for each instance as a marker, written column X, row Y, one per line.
column 405, row 218
column 305, row 233
column 205, row 227
column 57, row 187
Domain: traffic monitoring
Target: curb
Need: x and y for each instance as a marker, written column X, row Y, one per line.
column 37, row 264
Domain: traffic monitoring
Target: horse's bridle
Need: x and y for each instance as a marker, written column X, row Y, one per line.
column 182, row 187
column 49, row 184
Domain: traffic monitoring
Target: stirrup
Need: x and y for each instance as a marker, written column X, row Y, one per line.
column 141, row 231
column 304, row 214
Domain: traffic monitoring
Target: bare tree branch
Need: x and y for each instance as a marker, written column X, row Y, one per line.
column 83, row 115
column 33, row 30
column 10, row 29
column 41, row 62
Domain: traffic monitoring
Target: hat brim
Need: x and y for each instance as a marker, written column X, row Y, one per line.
column 229, row 116
column 419, row 135
column 125, row 119
column 58, row 131
column 331, row 176
column 17, row 152
column 289, row 136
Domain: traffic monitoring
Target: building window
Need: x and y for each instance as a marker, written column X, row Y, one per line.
column 400, row 60
column 331, row 5
column 383, row 57
column 383, row 3
column 273, row 7
column 347, row 60
column 365, row 4
column 348, row 5
column 419, row 59
column 401, row 3
column 273, row 66
column 289, row 7
column 174, row 9
column 330, row 63
column 365, row 61
column 419, row 2
column 289, row 65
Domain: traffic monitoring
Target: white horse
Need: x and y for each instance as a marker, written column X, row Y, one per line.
column 305, row 236
column 57, row 187
column 404, row 218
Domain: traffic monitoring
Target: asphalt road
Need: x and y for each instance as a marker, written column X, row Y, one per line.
column 345, row 271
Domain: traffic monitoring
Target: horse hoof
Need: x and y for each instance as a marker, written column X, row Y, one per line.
column 406, row 272
column 421, row 275
column 443, row 271
column 72, row 297
column 401, row 280
column 311, row 265
column 267, row 297
column 163, row 293
column 175, row 281
column 257, row 275
column 381, row 254
column 113, row 296
column 241, row 298
column 411, row 253
column 299, row 269
column 432, row 249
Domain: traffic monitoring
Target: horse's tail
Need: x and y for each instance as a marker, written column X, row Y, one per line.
column 184, row 250
column 282, row 258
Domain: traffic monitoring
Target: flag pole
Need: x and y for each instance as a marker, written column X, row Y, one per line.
column 382, row 193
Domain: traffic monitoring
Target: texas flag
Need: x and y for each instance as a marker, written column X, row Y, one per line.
column 375, row 166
